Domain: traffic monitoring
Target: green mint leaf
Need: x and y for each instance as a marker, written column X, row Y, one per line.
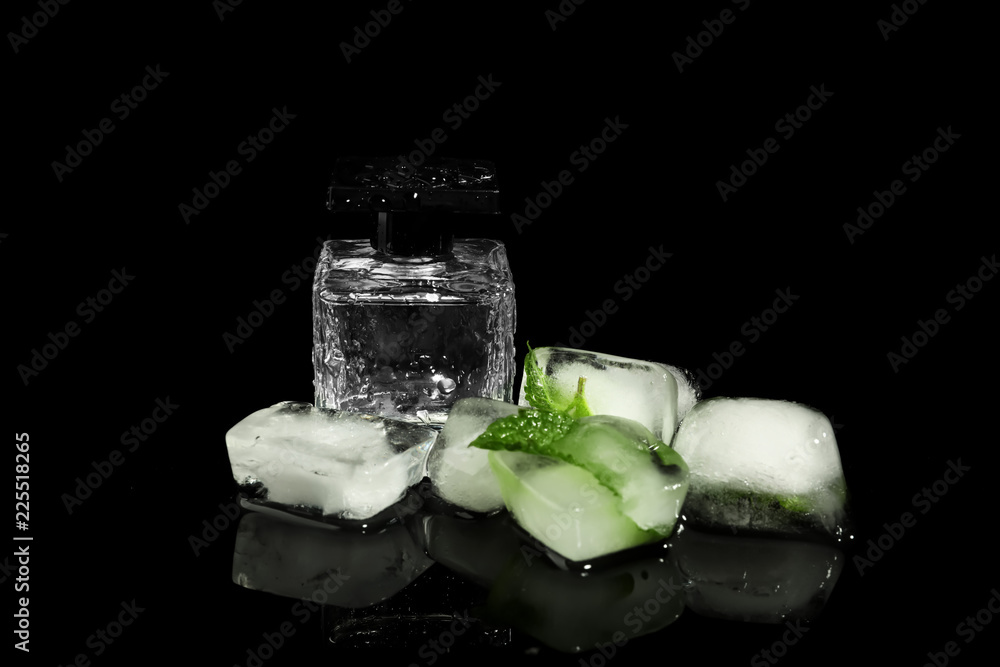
column 540, row 391
column 535, row 387
column 530, row 431
column 578, row 406
column 795, row 504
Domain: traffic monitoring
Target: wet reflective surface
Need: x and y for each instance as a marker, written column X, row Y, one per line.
column 433, row 581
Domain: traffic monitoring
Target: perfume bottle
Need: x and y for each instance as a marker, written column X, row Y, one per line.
column 411, row 320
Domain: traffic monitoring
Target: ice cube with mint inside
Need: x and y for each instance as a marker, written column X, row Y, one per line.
column 461, row 474
column 582, row 383
column 343, row 465
column 585, row 487
column 762, row 465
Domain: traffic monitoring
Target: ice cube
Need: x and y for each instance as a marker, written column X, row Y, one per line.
column 640, row 390
column 346, row 465
column 688, row 390
column 762, row 465
column 461, row 474
column 564, row 507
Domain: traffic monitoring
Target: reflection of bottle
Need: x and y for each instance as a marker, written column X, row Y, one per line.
column 409, row 322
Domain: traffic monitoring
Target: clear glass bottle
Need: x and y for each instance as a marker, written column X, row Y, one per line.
column 408, row 322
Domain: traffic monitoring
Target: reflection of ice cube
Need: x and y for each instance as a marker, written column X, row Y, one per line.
column 461, row 474
column 763, row 465
column 573, row 613
column 640, row 390
column 477, row 549
column 755, row 580
column 348, row 465
column 314, row 561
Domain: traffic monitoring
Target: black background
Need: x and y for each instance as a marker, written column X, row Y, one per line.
column 655, row 186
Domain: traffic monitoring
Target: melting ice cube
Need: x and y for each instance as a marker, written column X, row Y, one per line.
column 348, row 465
column 461, row 474
column 643, row 391
column 763, row 465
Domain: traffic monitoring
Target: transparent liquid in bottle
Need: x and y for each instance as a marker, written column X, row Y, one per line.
column 407, row 337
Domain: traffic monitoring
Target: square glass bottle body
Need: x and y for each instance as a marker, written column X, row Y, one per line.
column 406, row 337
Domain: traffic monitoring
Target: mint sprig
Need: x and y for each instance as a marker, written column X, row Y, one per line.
column 530, row 431
column 540, row 391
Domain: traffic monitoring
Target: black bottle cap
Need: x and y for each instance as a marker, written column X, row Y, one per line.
column 414, row 208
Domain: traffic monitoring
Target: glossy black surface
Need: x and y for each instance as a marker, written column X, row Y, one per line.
column 158, row 276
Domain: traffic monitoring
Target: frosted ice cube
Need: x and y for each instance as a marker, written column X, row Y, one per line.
column 762, row 465
column 348, row 465
column 640, row 390
column 461, row 474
